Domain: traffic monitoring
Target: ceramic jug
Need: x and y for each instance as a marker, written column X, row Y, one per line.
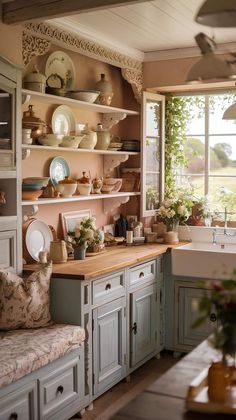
column 58, row 252
column 105, row 89
column 103, row 138
column 89, row 140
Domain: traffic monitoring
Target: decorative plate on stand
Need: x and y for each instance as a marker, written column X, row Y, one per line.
column 59, row 63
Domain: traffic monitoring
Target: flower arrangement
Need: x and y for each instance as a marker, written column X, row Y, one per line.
column 220, row 295
column 175, row 208
column 85, row 234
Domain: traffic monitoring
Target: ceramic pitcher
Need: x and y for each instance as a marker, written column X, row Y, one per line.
column 58, row 252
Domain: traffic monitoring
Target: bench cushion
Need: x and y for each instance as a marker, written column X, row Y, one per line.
column 23, row 351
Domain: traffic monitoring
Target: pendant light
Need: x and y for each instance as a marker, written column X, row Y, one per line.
column 217, row 13
column 209, row 67
column 230, row 113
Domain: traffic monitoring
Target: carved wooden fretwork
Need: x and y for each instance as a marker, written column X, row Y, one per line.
column 111, row 119
column 33, row 46
column 113, row 203
column 112, row 161
column 83, row 46
column 135, row 78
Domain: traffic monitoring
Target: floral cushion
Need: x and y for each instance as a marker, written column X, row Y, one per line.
column 23, row 351
column 24, row 303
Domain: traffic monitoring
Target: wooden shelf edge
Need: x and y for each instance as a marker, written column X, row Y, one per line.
column 69, row 149
column 42, row 201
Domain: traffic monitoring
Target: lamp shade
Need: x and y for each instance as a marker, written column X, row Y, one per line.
column 210, row 68
column 230, row 113
column 217, row 13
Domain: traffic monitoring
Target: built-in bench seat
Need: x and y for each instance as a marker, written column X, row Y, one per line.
column 24, row 351
column 41, row 372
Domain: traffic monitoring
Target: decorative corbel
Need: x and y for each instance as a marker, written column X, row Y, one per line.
column 113, row 203
column 111, row 119
column 135, row 78
column 33, row 46
column 112, row 161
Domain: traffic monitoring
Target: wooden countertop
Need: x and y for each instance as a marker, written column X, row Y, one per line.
column 165, row 398
column 112, row 259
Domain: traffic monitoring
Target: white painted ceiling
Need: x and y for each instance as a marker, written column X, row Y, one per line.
column 144, row 28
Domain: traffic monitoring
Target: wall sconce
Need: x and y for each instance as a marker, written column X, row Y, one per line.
column 209, row 67
column 217, row 13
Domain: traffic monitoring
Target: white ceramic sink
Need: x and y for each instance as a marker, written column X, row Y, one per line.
column 204, row 260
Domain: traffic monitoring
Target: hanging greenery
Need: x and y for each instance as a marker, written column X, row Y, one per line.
column 177, row 114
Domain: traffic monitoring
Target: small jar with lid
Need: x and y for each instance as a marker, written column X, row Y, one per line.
column 35, row 81
column 67, row 186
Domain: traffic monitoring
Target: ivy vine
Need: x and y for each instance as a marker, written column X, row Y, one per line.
column 177, row 114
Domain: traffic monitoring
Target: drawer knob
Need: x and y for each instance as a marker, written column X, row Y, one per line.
column 141, row 274
column 108, row 286
column 13, row 416
column 60, row 389
column 213, row 317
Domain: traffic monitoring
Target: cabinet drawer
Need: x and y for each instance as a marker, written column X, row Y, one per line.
column 20, row 405
column 143, row 273
column 8, row 250
column 59, row 388
column 108, row 288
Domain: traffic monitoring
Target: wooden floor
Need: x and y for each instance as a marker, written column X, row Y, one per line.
column 114, row 399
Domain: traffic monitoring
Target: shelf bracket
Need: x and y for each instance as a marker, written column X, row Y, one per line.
column 28, row 212
column 112, row 161
column 111, row 119
column 110, row 204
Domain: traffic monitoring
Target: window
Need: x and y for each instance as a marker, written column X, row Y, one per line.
column 210, row 150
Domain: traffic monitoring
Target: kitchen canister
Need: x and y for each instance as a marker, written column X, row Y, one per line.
column 35, row 81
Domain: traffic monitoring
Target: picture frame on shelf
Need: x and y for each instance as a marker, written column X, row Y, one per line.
column 109, row 229
column 70, row 219
column 131, row 219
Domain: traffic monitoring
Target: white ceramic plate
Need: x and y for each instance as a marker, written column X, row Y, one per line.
column 38, row 237
column 63, row 121
column 60, row 63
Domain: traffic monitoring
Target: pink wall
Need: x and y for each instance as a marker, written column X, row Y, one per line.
column 11, row 41
column 87, row 73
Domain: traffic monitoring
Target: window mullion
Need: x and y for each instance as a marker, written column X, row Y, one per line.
column 207, row 146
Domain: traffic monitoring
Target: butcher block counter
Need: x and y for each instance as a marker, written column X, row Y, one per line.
column 112, row 259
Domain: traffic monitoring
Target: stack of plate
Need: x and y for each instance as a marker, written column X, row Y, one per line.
column 131, row 145
column 115, row 146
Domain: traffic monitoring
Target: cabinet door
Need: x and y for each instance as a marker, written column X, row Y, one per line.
column 152, row 152
column 143, row 328
column 8, row 250
column 189, row 296
column 109, row 345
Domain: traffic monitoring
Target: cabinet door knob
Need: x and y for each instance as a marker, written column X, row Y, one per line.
column 141, row 274
column 108, row 286
column 134, row 328
column 13, row 416
column 213, row 317
column 60, row 389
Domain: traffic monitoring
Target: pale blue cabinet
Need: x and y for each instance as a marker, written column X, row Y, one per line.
column 187, row 312
column 143, row 333
column 109, row 345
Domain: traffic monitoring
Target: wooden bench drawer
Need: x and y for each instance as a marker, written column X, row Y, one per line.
column 107, row 288
column 142, row 273
column 19, row 405
column 59, row 388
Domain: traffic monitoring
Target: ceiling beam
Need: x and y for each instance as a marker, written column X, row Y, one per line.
column 22, row 11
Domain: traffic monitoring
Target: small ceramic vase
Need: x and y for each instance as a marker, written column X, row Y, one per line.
column 79, row 252
column 106, row 93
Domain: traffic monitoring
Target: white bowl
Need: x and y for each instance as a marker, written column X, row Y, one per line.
column 71, row 141
column 84, row 189
column 85, row 95
column 66, row 190
column 50, row 139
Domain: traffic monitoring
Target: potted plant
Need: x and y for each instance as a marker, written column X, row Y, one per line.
column 82, row 236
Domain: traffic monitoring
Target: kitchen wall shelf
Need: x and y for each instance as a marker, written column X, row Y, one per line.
column 75, row 198
column 60, row 100
column 69, row 149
